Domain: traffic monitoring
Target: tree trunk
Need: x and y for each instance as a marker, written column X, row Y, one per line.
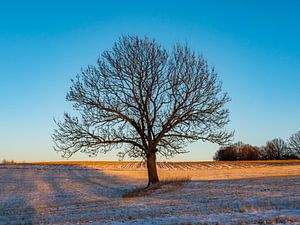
column 152, row 171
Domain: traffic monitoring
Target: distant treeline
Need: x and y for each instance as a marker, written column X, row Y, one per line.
column 4, row 161
column 275, row 149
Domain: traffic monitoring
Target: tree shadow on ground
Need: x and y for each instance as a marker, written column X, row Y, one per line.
column 42, row 192
column 80, row 194
column 15, row 206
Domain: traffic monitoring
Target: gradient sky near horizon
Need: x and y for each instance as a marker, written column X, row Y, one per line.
column 254, row 46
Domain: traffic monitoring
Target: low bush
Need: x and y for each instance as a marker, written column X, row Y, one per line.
column 166, row 185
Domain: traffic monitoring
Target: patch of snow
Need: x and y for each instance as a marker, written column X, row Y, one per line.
column 60, row 194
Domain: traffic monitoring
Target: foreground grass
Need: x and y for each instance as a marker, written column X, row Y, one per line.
column 75, row 194
column 165, row 185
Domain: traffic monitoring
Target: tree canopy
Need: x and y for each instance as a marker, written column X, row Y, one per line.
column 145, row 100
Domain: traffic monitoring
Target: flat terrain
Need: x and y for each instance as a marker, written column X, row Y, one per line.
column 91, row 192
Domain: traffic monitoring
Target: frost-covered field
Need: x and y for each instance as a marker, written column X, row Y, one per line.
column 229, row 193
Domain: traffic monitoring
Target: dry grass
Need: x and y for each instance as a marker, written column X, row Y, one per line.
column 213, row 173
column 101, row 192
column 165, row 185
column 194, row 170
column 175, row 164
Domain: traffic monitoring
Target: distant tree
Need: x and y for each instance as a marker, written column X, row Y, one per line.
column 147, row 99
column 248, row 152
column 237, row 151
column 4, row 161
column 294, row 144
column 275, row 149
column 226, row 153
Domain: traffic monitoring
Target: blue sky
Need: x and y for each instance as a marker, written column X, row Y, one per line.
column 254, row 46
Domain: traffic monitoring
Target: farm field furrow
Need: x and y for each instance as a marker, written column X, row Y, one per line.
column 91, row 193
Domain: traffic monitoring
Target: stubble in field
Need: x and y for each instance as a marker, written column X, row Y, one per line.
column 228, row 193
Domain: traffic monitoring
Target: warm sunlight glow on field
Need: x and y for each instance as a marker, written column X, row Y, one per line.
column 195, row 170
column 91, row 192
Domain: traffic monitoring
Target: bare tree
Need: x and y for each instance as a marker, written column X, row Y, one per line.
column 275, row 149
column 294, row 143
column 146, row 101
column 237, row 151
column 226, row 153
column 248, row 152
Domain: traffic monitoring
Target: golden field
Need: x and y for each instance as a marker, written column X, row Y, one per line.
column 193, row 170
column 80, row 192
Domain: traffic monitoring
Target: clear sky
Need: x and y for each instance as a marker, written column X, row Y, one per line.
column 254, row 46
